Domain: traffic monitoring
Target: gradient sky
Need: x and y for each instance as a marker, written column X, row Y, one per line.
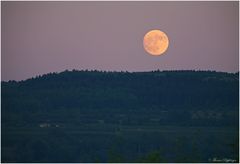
column 42, row 37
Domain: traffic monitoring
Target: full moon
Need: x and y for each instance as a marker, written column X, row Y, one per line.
column 155, row 42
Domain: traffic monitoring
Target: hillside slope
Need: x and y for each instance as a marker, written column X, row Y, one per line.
column 157, row 97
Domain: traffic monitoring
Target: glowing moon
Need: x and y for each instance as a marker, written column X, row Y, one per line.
column 155, row 42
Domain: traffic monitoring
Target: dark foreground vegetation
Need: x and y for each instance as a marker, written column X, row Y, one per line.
column 92, row 116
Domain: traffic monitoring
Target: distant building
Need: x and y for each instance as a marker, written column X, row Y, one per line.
column 45, row 125
column 48, row 125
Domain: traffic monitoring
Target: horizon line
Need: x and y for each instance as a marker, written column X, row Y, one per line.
column 119, row 71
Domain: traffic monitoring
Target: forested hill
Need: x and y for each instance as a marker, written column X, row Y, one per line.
column 146, row 93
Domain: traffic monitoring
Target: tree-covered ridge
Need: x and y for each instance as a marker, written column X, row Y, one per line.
column 191, row 94
column 175, row 89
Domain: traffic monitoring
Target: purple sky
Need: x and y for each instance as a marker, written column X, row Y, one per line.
column 43, row 37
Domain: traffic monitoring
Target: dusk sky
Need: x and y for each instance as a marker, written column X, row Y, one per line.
column 42, row 37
